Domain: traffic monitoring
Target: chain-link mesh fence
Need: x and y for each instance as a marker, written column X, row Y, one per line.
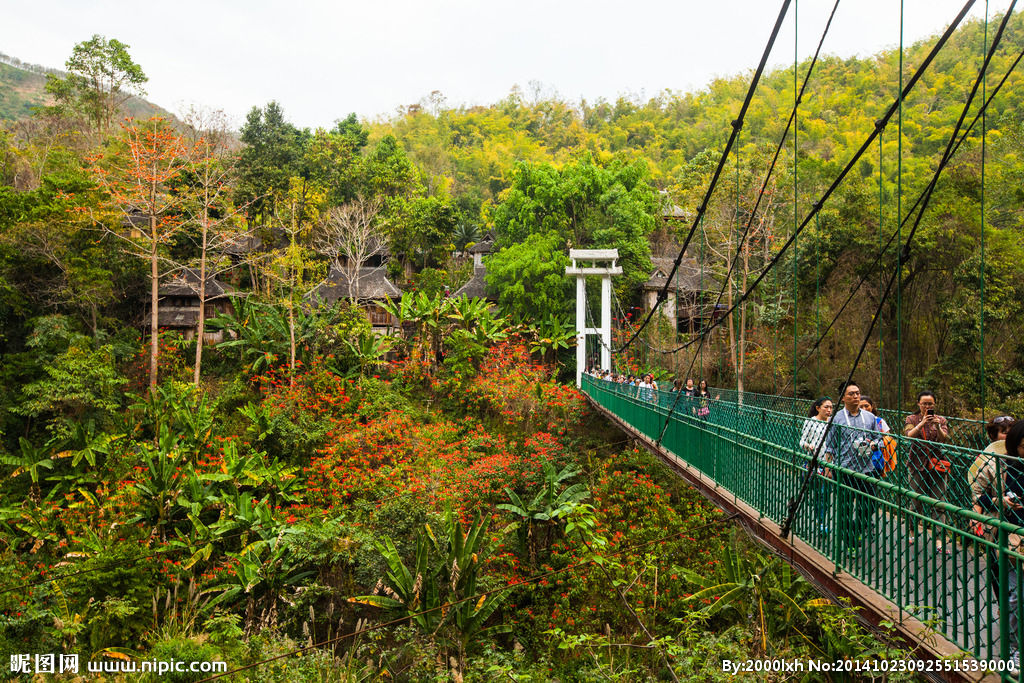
column 897, row 513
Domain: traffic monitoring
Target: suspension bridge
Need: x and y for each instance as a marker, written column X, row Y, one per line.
column 917, row 564
column 901, row 537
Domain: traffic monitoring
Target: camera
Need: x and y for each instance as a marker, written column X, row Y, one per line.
column 931, row 411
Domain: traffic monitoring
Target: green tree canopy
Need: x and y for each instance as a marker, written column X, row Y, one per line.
column 585, row 205
column 274, row 153
column 529, row 277
column 101, row 77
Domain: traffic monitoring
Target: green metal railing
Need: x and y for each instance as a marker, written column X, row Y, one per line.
column 906, row 533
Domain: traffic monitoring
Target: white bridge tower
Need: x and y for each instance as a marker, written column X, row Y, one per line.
column 599, row 262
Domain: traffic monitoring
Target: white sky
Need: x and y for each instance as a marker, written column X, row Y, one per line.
column 322, row 60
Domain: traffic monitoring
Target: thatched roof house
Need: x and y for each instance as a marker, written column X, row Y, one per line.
column 476, row 287
column 371, row 287
column 179, row 303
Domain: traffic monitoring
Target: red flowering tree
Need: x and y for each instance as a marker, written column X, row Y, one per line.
column 137, row 177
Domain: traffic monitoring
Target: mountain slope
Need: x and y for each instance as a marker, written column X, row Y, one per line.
column 23, row 87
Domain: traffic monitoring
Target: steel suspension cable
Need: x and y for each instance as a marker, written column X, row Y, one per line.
column 874, row 265
column 881, row 275
column 817, row 206
column 981, row 267
column 794, row 505
column 796, row 213
column 771, row 167
column 737, row 124
column 899, row 233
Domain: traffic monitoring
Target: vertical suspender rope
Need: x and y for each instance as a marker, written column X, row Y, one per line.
column 737, row 315
column 881, row 273
column 702, row 310
column 796, row 215
column 981, row 269
column 817, row 299
column 911, row 522
column 899, row 234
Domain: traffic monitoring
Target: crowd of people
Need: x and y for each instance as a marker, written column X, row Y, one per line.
column 860, row 448
column 646, row 388
column 858, row 442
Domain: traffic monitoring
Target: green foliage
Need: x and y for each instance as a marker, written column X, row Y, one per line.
column 553, row 502
column 552, row 335
column 272, row 155
column 420, row 229
column 101, row 77
column 111, row 590
column 81, row 382
column 460, row 327
column 585, row 205
column 369, row 350
column 433, row 281
column 263, row 334
column 182, row 649
column 448, row 575
column 530, row 277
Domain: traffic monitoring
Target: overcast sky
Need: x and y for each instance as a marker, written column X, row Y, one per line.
column 322, row 60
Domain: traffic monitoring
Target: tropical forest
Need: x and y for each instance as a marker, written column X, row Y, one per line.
column 304, row 402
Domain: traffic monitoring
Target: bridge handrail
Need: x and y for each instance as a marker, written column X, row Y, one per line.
column 687, row 403
column 917, row 546
column 963, row 431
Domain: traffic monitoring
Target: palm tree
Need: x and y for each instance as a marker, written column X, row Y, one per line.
column 465, row 235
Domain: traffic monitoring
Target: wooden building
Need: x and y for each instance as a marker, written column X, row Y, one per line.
column 179, row 304
column 476, row 286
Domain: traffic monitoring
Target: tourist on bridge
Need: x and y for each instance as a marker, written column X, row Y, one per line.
column 984, row 475
column 689, row 390
column 851, row 441
column 867, row 403
column 814, row 426
column 703, row 409
column 645, row 389
column 987, row 479
column 810, row 440
column 1014, row 515
column 928, row 468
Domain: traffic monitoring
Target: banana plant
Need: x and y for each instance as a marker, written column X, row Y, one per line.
column 179, row 409
column 445, row 571
column 31, row 460
column 763, row 592
column 166, row 469
column 551, row 335
column 262, row 571
column 369, row 350
column 467, row 312
column 262, row 332
column 461, row 568
column 552, row 502
column 68, row 624
column 414, row 591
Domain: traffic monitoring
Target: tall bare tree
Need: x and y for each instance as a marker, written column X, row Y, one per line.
column 349, row 237
column 209, row 207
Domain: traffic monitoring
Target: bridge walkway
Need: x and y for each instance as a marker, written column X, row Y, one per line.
column 908, row 557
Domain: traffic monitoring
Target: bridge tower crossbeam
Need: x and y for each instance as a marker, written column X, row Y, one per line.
column 593, row 263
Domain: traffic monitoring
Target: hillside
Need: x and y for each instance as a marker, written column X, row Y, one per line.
column 23, row 87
